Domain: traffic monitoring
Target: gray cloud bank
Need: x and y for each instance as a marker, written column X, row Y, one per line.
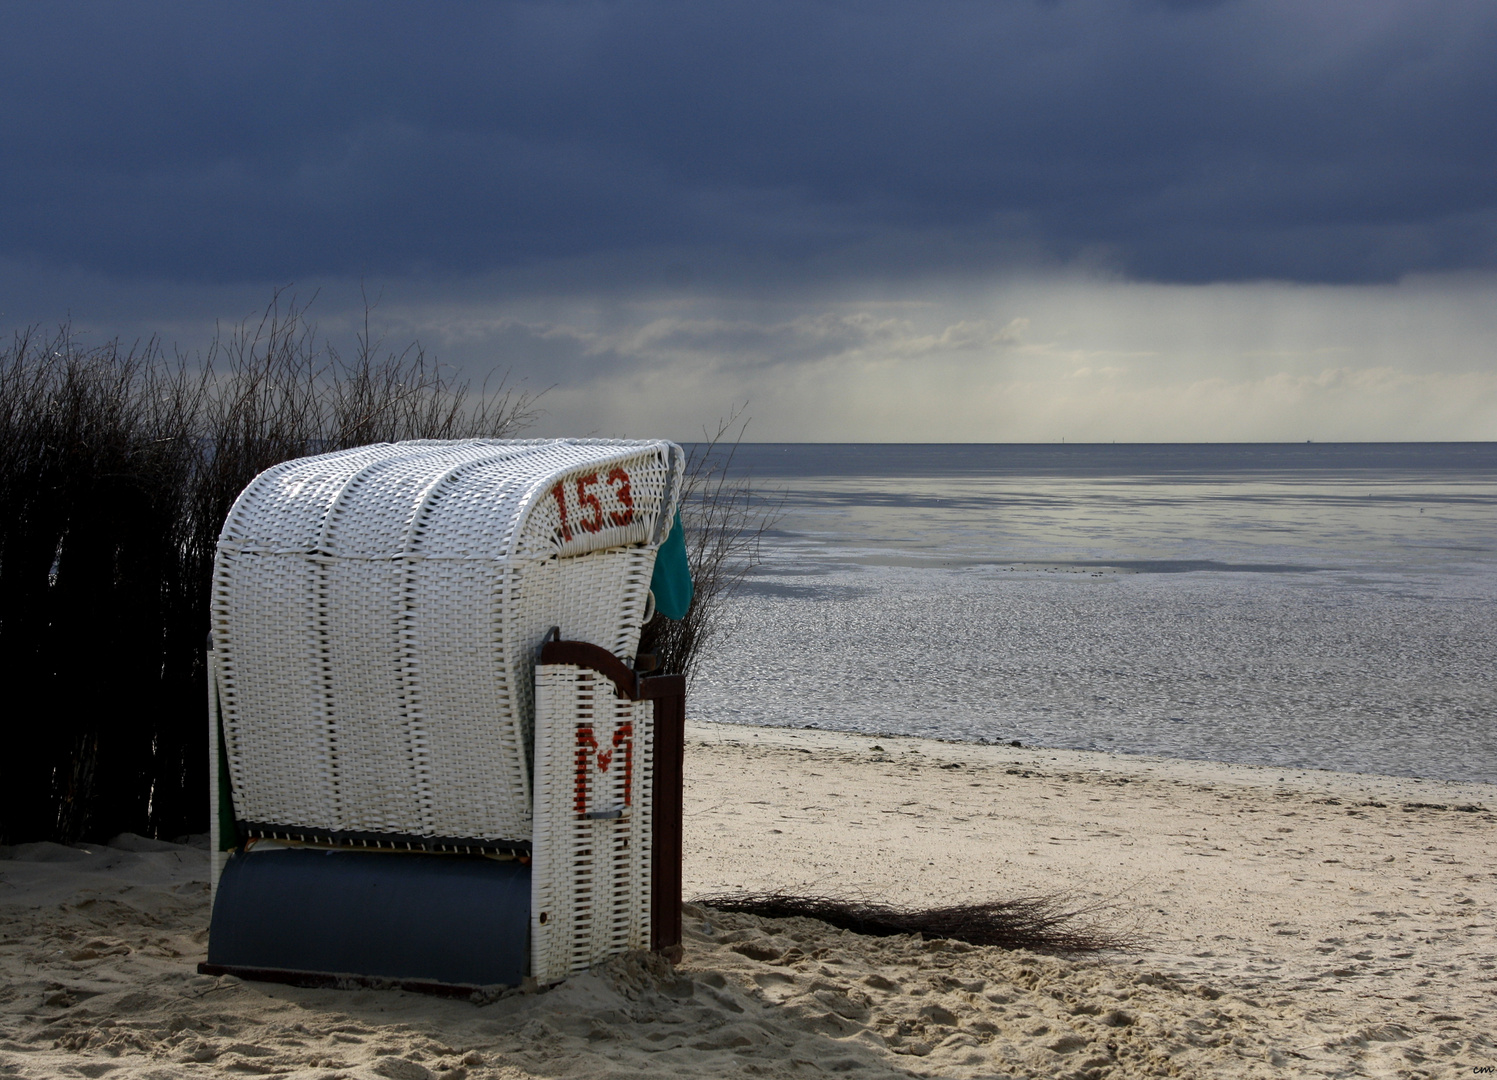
column 650, row 144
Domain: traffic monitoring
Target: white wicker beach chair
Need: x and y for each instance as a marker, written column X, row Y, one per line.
column 377, row 616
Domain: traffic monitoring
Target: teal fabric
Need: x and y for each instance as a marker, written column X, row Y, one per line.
column 671, row 583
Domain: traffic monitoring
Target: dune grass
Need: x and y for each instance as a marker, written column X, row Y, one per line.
column 118, row 464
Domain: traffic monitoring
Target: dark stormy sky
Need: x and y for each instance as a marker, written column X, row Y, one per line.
column 926, row 220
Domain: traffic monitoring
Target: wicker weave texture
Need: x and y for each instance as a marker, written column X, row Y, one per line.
column 376, row 615
column 590, row 874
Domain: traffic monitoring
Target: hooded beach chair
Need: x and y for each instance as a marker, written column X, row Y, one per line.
column 436, row 760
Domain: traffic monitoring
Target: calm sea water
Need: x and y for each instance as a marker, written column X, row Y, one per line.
column 1312, row 605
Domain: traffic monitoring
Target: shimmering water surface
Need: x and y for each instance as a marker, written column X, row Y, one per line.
column 1330, row 606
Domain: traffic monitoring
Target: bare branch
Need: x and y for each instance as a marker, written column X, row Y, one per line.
column 725, row 521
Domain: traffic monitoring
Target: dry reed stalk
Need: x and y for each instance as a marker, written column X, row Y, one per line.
column 725, row 521
column 1051, row 923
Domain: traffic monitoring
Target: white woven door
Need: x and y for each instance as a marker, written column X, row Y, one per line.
column 590, row 864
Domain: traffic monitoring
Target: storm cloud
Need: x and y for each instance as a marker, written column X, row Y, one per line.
column 650, row 144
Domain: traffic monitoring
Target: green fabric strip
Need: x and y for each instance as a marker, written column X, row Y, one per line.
column 671, row 582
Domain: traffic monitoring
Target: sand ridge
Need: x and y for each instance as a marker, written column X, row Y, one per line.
column 1358, row 943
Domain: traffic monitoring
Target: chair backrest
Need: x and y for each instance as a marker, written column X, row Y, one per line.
column 376, row 614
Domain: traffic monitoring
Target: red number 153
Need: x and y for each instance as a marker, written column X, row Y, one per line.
column 593, row 518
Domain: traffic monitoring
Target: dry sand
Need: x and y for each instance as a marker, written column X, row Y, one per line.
column 1290, row 923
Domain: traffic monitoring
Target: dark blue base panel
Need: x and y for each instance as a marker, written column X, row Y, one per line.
column 304, row 913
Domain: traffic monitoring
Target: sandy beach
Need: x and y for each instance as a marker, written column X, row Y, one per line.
column 1285, row 923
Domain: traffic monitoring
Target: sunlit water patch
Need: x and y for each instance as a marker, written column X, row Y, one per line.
column 1338, row 620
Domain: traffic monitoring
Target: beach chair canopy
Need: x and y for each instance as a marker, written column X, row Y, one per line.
column 376, row 616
